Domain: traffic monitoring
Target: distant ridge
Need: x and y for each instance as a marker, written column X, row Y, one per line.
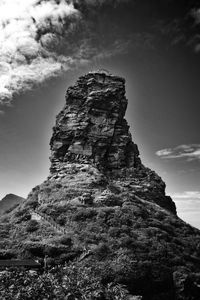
column 9, row 201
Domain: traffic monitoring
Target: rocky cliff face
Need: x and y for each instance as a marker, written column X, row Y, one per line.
column 91, row 128
column 91, row 134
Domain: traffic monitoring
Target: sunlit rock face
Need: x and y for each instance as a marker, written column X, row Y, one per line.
column 91, row 145
column 91, row 128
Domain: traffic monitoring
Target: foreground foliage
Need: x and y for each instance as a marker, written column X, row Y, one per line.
column 69, row 283
column 134, row 243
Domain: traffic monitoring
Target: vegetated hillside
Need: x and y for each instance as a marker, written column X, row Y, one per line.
column 9, row 201
column 102, row 217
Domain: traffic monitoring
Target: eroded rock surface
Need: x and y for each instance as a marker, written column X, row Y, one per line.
column 91, row 128
column 92, row 144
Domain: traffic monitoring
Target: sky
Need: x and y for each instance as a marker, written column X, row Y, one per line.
column 155, row 45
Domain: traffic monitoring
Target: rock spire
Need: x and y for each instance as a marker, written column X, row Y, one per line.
column 91, row 133
column 91, row 128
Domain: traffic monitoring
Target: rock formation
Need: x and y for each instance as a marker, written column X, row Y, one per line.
column 91, row 128
column 119, row 226
column 91, row 134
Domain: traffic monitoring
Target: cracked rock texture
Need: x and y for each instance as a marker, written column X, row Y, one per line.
column 92, row 148
column 91, row 127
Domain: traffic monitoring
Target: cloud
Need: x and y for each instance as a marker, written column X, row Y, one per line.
column 188, row 206
column 196, row 15
column 179, row 25
column 195, row 39
column 189, row 152
column 95, row 3
column 28, row 28
column 190, row 195
column 41, row 39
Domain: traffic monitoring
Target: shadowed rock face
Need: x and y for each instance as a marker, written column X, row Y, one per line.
column 91, row 127
column 91, row 131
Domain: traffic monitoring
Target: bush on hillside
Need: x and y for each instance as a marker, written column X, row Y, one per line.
column 84, row 214
column 32, row 226
column 102, row 250
column 31, row 204
column 66, row 240
column 74, row 282
column 33, row 249
column 55, row 250
column 61, row 220
column 22, row 215
column 114, row 189
column 7, row 254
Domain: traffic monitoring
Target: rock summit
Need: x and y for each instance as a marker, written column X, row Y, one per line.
column 91, row 132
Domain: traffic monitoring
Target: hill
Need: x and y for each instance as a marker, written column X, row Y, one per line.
column 9, row 201
column 102, row 219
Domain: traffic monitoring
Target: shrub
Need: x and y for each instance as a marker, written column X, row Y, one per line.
column 66, row 257
column 7, row 254
column 54, row 251
column 51, row 250
column 58, row 185
column 32, row 226
column 61, row 220
column 126, row 241
column 113, row 200
column 114, row 189
column 20, row 212
column 117, row 291
column 35, row 249
column 114, row 231
column 102, row 250
column 84, row 214
column 31, row 203
column 22, row 215
column 66, row 240
column 106, row 211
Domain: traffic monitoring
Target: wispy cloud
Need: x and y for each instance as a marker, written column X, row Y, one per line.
column 196, row 14
column 183, row 28
column 195, row 39
column 190, row 195
column 189, row 152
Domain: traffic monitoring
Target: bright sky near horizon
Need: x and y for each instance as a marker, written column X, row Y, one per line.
column 46, row 45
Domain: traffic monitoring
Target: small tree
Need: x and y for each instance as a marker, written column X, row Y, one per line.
column 32, row 226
